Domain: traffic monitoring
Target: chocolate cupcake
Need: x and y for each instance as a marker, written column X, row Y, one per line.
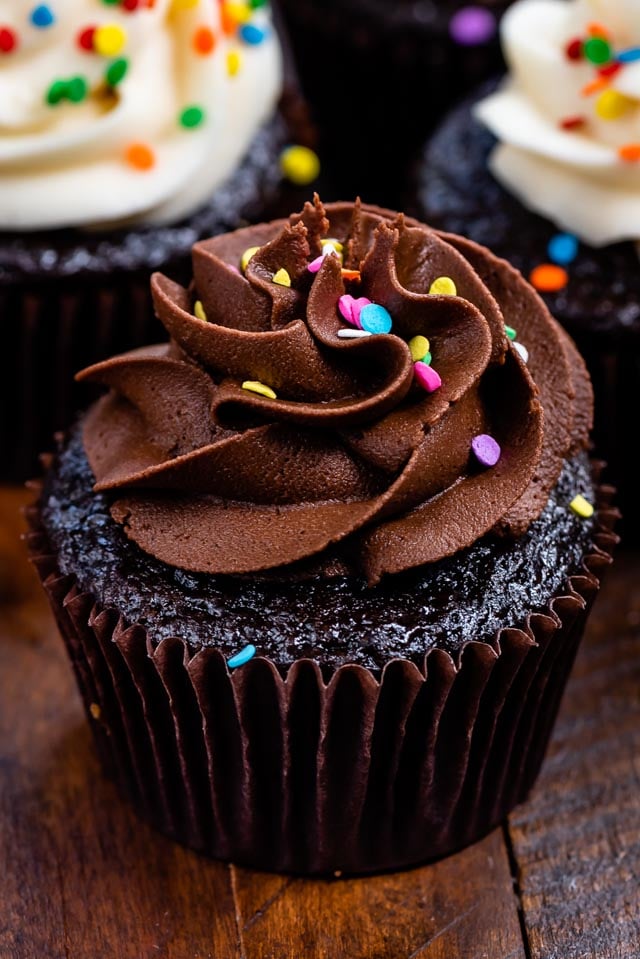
column 545, row 169
column 127, row 132
column 379, row 75
column 323, row 561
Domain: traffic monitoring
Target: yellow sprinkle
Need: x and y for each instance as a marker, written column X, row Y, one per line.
column 336, row 244
column 109, row 40
column 246, row 256
column 198, row 309
column 185, row 4
column 329, row 249
column 241, row 12
column 582, row 506
column 253, row 386
column 95, row 710
column 443, row 286
column 234, row 62
column 282, row 278
column 419, row 347
column 612, row 105
column 300, row 165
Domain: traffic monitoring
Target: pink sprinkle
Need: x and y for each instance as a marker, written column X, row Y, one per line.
column 315, row 265
column 486, row 450
column 427, row 377
column 350, row 308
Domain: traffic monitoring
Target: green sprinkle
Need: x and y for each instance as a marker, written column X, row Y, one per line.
column 256, row 4
column 426, row 359
column 116, row 72
column 77, row 89
column 597, row 50
column 191, row 117
column 56, row 92
column 511, row 333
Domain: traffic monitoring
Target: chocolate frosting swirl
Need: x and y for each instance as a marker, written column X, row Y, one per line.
column 353, row 466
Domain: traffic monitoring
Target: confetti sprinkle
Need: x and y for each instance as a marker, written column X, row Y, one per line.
column 42, row 16
column 443, row 286
column 485, row 449
column 109, row 40
column 252, row 34
column 612, row 105
column 427, row 377
column 573, row 123
column 563, row 248
column 350, row 275
column 300, row 165
column 511, row 333
column 350, row 308
column 582, row 506
column 630, row 152
column 281, row 277
column 253, row 386
column 191, row 117
column 246, row 256
column 95, row 710
column 8, row 40
column 597, row 50
column 198, row 310
column 116, row 72
column 522, row 351
column 239, row 659
column 549, row 278
column 353, row 334
column 238, row 12
column 631, row 55
column 472, row 26
column 419, row 347
column 204, row 41
column 573, row 49
column 234, row 62
column 375, row 318
column 140, row 156
column 75, row 89
column 85, row 38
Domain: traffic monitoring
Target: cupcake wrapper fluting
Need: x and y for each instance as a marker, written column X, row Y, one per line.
column 310, row 775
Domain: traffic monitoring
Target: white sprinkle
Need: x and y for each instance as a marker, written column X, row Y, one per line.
column 353, row 334
column 522, row 350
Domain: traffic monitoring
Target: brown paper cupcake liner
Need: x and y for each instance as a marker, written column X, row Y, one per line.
column 308, row 775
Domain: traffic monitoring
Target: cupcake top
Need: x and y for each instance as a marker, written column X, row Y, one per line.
column 127, row 111
column 343, row 391
column 568, row 117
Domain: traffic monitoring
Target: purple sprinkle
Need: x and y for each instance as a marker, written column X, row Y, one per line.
column 485, row 449
column 472, row 26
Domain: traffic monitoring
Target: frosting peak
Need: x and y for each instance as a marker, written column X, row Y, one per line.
column 568, row 117
column 112, row 115
column 260, row 437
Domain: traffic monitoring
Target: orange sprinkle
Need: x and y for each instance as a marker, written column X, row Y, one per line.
column 350, row 274
column 140, row 156
column 228, row 22
column 630, row 152
column 204, row 41
column 601, row 83
column 597, row 30
column 549, row 278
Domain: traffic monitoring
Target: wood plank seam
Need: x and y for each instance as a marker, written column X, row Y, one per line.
column 237, row 910
column 264, row 908
column 517, row 891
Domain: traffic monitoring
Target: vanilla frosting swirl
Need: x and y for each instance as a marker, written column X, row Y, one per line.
column 561, row 123
column 352, row 458
column 65, row 163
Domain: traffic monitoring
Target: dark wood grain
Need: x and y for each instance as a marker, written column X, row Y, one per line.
column 82, row 878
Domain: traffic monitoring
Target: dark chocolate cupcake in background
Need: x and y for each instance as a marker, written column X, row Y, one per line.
column 379, row 75
column 127, row 132
column 545, row 169
column 323, row 561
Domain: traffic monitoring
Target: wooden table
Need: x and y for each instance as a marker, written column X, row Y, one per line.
column 82, row 878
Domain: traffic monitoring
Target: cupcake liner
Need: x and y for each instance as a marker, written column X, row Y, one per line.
column 309, row 774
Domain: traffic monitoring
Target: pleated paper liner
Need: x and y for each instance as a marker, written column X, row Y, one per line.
column 310, row 776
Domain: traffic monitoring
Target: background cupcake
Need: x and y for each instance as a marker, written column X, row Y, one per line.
column 379, row 75
column 342, row 463
column 127, row 131
column 546, row 170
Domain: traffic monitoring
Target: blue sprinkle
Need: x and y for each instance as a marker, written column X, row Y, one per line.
column 42, row 16
column 375, row 319
column 242, row 657
column 563, row 249
column 629, row 56
column 252, row 34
